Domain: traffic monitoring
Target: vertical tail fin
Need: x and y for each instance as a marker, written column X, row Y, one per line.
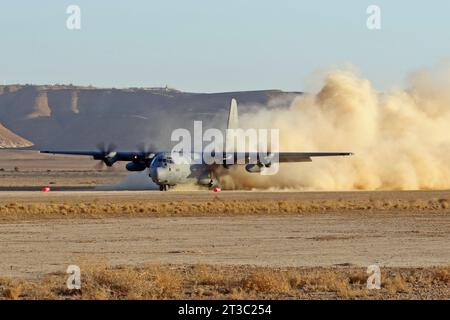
column 233, row 123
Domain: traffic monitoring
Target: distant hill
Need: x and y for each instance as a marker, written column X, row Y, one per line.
column 65, row 116
column 9, row 139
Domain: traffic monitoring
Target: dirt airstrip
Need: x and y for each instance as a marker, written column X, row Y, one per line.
column 200, row 244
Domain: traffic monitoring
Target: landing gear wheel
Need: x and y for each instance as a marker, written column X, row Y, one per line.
column 213, row 185
column 163, row 187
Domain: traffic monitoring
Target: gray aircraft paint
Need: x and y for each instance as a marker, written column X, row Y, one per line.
column 166, row 170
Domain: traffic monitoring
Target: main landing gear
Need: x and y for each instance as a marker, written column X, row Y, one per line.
column 163, row 187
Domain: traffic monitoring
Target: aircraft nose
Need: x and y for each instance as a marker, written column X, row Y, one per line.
column 160, row 174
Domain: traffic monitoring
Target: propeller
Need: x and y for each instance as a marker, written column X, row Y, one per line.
column 147, row 149
column 107, row 156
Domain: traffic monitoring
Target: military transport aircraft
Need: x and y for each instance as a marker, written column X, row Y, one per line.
column 167, row 171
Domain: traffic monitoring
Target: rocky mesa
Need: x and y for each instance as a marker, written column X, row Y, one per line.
column 67, row 116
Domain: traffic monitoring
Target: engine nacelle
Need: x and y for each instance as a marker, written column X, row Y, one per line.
column 136, row 166
column 206, row 180
column 253, row 168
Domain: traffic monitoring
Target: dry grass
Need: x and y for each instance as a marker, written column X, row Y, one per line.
column 267, row 281
column 97, row 209
column 441, row 274
column 397, row 284
column 12, row 292
column 232, row 282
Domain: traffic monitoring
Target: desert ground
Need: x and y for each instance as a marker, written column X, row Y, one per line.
column 200, row 244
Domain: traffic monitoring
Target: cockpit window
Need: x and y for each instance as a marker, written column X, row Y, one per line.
column 163, row 160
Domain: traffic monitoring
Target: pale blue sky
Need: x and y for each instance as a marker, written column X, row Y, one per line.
column 210, row 46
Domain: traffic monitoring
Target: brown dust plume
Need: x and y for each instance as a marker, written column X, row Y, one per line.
column 401, row 138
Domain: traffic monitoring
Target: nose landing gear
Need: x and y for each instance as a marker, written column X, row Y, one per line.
column 163, row 187
column 212, row 184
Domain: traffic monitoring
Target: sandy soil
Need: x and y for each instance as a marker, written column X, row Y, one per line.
column 71, row 196
column 31, row 170
column 42, row 233
column 394, row 237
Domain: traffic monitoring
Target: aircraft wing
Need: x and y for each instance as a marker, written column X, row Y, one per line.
column 100, row 155
column 114, row 156
column 306, row 156
column 282, row 156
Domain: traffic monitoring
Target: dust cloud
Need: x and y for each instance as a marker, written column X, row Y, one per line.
column 133, row 181
column 401, row 138
column 142, row 181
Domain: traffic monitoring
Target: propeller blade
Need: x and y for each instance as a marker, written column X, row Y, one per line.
column 106, row 148
column 148, row 149
column 111, row 148
column 108, row 154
